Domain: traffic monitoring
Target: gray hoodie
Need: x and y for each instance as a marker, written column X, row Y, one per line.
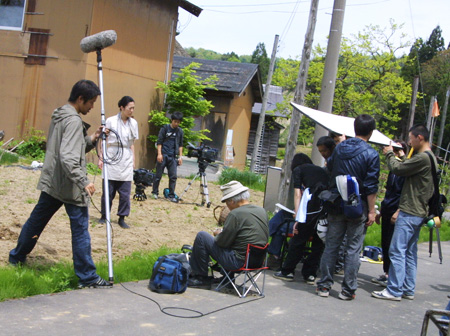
column 64, row 172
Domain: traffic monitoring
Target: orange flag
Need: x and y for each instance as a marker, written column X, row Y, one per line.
column 435, row 111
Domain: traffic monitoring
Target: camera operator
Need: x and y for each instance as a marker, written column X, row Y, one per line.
column 170, row 149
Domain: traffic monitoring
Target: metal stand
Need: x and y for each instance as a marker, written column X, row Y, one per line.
column 202, row 165
column 105, row 170
column 438, row 240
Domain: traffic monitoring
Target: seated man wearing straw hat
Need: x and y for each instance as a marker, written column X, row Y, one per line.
column 245, row 224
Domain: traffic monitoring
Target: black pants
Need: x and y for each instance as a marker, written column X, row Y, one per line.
column 171, row 164
column 297, row 248
column 124, row 190
column 387, row 230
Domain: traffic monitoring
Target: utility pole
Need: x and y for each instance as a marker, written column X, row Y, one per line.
column 262, row 115
column 412, row 107
column 444, row 117
column 299, row 99
column 329, row 73
column 430, row 113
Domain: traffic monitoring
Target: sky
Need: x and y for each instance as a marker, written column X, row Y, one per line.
column 239, row 25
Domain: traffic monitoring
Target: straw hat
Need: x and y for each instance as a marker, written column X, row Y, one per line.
column 231, row 189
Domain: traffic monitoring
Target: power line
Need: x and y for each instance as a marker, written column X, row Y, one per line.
column 253, row 5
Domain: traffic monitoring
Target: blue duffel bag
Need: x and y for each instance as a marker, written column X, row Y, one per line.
column 170, row 274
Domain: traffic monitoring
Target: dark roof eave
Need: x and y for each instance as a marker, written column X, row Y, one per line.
column 190, row 7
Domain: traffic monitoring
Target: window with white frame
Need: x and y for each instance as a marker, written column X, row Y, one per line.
column 12, row 13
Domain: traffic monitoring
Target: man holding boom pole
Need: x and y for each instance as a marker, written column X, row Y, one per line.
column 64, row 181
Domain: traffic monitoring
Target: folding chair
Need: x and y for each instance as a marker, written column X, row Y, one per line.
column 255, row 265
column 435, row 315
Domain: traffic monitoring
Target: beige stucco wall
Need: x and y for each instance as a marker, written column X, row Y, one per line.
column 239, row 119
column 130, row 67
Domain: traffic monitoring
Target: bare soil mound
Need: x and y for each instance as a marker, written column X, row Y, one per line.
column 154, row 223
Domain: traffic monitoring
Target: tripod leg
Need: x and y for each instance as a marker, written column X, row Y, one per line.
column 430, row 243
column 189, row 185
column 205, row 191
column 438, row 240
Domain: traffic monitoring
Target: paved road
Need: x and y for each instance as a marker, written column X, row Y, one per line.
column 288, row 309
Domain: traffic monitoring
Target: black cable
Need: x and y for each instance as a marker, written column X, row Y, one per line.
column 199, row 313
column 107, row 221
column 113, row 159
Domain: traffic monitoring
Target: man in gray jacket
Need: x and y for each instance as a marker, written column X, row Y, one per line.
column 64, row 181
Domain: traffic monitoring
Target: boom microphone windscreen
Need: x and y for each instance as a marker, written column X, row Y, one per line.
column 100, row 40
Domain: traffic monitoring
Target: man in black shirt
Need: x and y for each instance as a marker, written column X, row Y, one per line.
column 170, row 149
column 305, row 175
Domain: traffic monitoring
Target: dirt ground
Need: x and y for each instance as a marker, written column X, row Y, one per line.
column 154, row 223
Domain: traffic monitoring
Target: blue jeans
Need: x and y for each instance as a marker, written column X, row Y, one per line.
column 81, row 240
column 339, row 227
column 204, row 247
column 278, row 230
column 403, row 255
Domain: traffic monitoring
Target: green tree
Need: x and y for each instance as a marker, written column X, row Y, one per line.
column 368, row 79
column 231, row 57
column 436, row 80
column 286, row 73
column 259, row 57
column 185, row 94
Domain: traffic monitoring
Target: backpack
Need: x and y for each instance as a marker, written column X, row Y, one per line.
column 373, row 252
column 436, row 203
column 352, row 206
column 166, row 194
column 170, row 274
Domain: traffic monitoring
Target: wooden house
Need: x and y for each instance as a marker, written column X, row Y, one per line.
column 238, row 88
column 41, row 59
column 270, row 133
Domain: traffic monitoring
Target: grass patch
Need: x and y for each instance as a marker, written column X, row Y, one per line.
column 7, row 158
column 247, row 178
column 23, row 281
column 373, row 236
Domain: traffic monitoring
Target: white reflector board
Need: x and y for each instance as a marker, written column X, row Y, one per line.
column 340, row 124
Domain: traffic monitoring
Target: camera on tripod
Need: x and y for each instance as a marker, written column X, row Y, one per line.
column 203, row 152
column 205, row 155
column 142, row 178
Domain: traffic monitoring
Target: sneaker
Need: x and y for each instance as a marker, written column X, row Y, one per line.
column 102, row 220
column 385, row 295
column 100, row 283
column 310, row 280
column 346, row 296
column 274, row 262
column 322, row 291
column 172, row 199
column 154, row 196
column 408, row 296
column 381, row 280
column 199, row 282
column 286, row 277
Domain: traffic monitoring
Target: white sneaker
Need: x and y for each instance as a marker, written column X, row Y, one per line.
column 385, row 295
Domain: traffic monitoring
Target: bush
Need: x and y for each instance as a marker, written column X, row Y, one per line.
column 33, row 146
column 93, row 169
column 247, row 178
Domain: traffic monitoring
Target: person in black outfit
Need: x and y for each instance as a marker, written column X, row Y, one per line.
column 170, row 149
column 305, row 175
column 388, row 215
